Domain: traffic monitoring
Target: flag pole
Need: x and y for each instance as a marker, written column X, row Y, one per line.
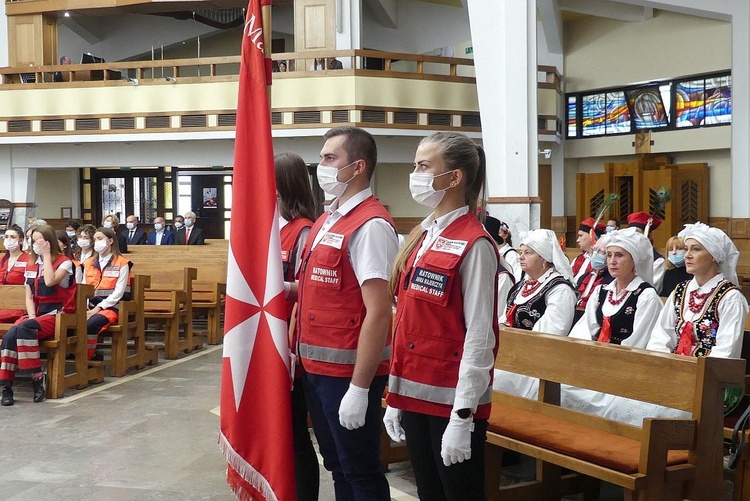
column 266, row 12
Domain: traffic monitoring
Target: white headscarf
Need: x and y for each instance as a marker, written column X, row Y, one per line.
column 544, row 243
column 639, row 248
column 718, row 244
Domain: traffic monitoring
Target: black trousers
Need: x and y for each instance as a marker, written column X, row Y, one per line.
column 435, row 481
column 306, row 470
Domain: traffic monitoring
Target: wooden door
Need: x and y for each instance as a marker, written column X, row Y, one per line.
column 545, row 194
column 314, row 25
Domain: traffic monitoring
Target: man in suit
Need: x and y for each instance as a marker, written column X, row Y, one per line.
column 133, row 234
column 189, row 234
column 161, row 235
column 334, row 64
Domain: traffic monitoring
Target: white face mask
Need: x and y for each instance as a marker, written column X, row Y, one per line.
column 10, row 244
column 177, row 225
column 100, row 245
column 70, row 234
column 130, row 225
column 107, row 224
column 188, row 222
column 328, row 179
column 36, row 249
column 420, row 185
column 84, row 243
column 158, row 226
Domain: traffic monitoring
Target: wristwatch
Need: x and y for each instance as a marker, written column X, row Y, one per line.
column 463, row 413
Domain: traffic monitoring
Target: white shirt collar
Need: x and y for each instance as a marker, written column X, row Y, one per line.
column 282, row 222
column 443, row 221
column 633, row 285
column 693, row 284
column 350, row 204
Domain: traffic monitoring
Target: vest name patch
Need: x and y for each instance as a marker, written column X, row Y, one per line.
column 285, row 255
column 450, row 246
column 332, row 240
column 429, row 282
column 324, row 275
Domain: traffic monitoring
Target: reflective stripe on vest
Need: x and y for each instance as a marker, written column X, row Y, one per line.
column 107, row 292
column 429, row 393
column 335, row 355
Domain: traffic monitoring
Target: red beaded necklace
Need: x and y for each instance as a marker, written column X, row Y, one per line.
column 697, row 300
column 529, row 287
column 614, row 300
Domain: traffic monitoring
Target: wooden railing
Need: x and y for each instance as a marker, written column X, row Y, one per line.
column 359, row 62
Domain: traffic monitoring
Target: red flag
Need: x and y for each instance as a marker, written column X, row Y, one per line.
column 256, row 430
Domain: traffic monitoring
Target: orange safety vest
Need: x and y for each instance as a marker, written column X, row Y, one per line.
column 104, row 281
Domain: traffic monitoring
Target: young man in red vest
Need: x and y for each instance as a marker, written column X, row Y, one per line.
column 344, row 316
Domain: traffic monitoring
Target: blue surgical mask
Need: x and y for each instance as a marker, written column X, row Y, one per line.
column 610, row 229
column 677, row 259
column 598, row 261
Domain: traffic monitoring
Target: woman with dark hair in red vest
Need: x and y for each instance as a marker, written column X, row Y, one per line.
column 50, row 289
column 13, row 268
column 446, row 331
column 296, row 215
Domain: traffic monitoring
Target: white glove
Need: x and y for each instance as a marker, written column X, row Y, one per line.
column 392, row 421
column 456, row 443
column 353, row 407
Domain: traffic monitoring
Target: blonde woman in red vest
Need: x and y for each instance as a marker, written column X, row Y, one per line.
column 344, row 315
column 50, row 288
column 13, row 268
column 445, row 282
column 109, row 272
column 296, row 214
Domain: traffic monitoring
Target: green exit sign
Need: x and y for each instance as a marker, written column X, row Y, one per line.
column 470, row 50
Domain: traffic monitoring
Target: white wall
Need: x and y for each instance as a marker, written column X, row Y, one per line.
column 603, row 52
column 422, row 27
column 50, row 196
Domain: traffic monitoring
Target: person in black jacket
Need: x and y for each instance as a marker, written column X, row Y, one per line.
column 133, row 234
column 675, row 266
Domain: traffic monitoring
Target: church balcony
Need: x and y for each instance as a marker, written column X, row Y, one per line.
column 405, row 94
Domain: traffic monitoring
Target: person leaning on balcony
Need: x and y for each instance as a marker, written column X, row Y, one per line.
column 445, row 279
column 334, row 64
column 344, row 316
column 319, row 63
column 58, row 76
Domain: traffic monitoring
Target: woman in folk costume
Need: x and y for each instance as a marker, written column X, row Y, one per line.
column 646, row 223
column 621, row 312
column 543, row 302
column 704, row 316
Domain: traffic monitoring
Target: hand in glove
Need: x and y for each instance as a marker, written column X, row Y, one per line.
column 353, row 407
column 456, row 443
column 392, row 421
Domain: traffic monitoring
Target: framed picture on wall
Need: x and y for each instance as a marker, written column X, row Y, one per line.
column 210, row 200
column 66, row 212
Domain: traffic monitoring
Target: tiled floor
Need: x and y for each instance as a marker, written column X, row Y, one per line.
column 148, row 436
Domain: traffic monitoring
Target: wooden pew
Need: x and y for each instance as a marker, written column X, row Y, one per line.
column 69, row 338
column 665, row 459
column 168, row 301
column 208, row 295
column 130, row 327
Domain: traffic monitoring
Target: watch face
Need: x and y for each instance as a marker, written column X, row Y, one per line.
column 463, row 413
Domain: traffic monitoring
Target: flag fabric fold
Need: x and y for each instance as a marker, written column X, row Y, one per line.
column 256, row 430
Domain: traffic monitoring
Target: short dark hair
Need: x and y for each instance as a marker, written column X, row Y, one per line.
column 359, row 144
column 72, row 224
